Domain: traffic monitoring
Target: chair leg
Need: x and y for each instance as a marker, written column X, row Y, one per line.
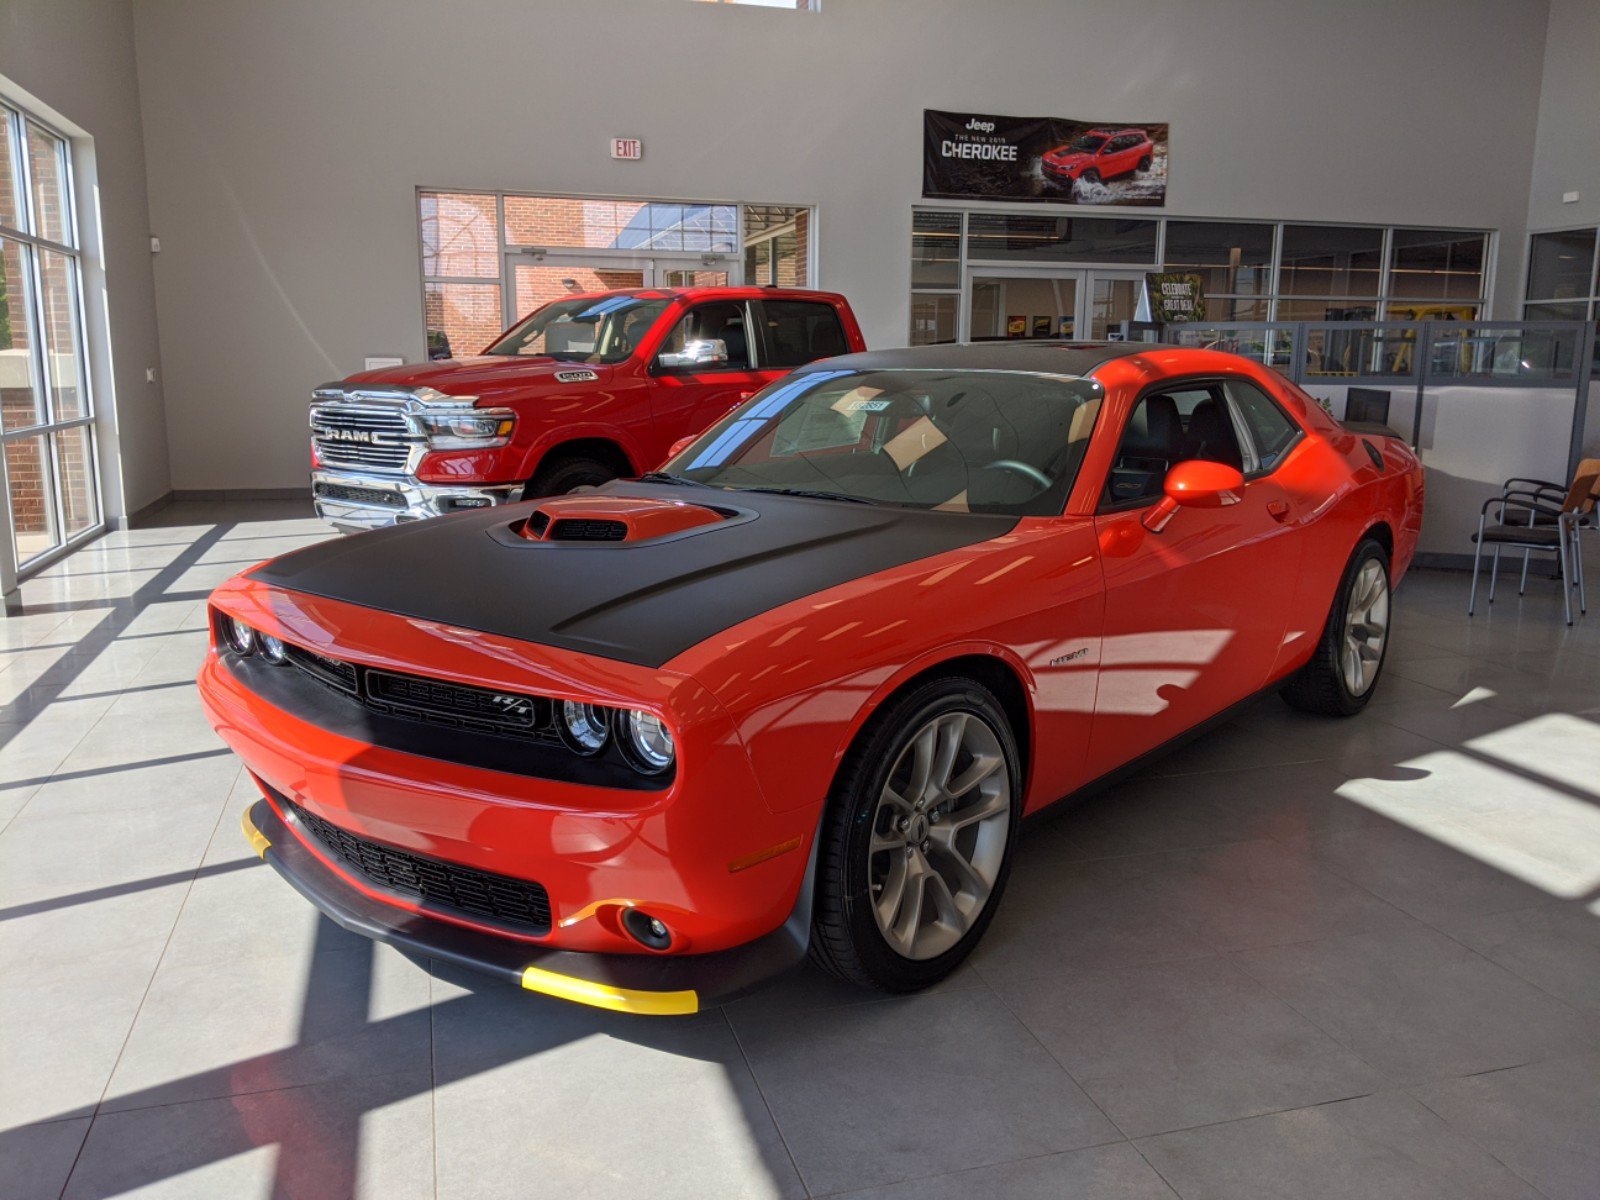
column 1577, row 564
column 1566, row 578
column 1523, row 586
column 1477, row 556
column 1494, row 573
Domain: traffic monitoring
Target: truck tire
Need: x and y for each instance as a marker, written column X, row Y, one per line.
column 562, row 475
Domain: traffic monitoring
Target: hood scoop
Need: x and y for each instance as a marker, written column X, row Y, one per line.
column 598, row 519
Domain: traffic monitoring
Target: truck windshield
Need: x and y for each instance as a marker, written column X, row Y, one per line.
column 962, row 441
column 603, row 329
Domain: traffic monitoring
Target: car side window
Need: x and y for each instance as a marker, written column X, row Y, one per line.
column 1152, row 441
column 802, row 331
column 1271, row 430
column 723, row 320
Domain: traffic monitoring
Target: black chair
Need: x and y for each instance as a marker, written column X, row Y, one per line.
column 1548, row 527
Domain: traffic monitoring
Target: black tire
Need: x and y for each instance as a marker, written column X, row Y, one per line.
column 562, row 475
column 1320, row 685
column 1144, row 164
column 845, row 937
column 1090, row 176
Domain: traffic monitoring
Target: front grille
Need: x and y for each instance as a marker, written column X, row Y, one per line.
column 360, row 495
column 517, row 904
column 436, row 701
column 372, row 437
column 573, row 529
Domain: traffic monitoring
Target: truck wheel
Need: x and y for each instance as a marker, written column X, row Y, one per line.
column 918, row 838
column 1343, row 673
column 565, row 475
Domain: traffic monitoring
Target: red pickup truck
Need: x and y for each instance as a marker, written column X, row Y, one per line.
column 585, row 389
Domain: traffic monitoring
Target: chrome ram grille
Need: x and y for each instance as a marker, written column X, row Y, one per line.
column 370, row 436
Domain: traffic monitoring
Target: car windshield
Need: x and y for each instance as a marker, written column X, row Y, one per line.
column 1089, row 143
column 964, row 441
column 603, row 329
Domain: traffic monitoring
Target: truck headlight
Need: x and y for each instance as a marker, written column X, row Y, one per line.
column 468, row 429
column 646, row 741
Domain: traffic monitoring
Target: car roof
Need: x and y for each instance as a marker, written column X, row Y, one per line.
column 1044, row 357
column 710, row 292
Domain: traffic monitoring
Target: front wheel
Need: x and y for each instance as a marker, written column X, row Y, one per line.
column 918, row 838
column 1343, row 672
column 565, row 475
column 1144, row 164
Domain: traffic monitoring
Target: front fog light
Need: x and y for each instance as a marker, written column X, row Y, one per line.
column 238, row 636
column 584, row 726
column 647, row 741
column 271, row 648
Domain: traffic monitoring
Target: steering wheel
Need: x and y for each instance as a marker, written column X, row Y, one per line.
column 1027, row 470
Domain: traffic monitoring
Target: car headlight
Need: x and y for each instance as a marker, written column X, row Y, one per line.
column 236, row 636
column 646, row 741
column 271, row 648
column 584, row 727
column 468, row 428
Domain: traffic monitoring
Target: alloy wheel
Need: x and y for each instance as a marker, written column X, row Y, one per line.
column 1366, row 626
column 939, row 835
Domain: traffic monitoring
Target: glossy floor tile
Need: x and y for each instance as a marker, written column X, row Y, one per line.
column 1295, row 957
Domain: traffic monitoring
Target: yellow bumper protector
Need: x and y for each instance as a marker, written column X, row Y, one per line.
column 603, row 995
column 257, row 839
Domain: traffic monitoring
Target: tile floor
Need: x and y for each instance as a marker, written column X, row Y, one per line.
column 1299, row 958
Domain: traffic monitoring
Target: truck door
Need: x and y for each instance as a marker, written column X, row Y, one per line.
column 688, row 396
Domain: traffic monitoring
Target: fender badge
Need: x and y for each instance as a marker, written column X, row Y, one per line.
column 577, row 376
column 1066, row 658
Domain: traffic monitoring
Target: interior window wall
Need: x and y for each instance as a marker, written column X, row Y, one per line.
column 45, row 410
column 1253, row 270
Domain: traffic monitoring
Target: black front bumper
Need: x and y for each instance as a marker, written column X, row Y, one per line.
column 648, row 984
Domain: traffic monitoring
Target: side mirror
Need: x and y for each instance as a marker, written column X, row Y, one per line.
column 1195, row 484
column 679, row 446
column 709, row 352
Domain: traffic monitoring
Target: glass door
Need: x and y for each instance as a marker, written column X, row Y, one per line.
column 1113, row 297
column 538, row 279
column 1011, row 303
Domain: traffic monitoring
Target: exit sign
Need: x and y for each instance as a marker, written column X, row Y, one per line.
column 627, row 148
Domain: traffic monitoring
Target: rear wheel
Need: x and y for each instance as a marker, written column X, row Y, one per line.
column 567, row 474
column 916, row 845
column 1343, row 673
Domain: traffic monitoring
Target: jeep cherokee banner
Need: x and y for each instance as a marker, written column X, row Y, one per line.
column 976, row 156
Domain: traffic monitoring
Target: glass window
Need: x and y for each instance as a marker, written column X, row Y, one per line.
column 21, row 397
column 1326, row 310
column 1561, row 265
column 63, row 366
column 1330, row 260
column 935, row 250
column 1565, row 310
column 10, row 196
column 758, row 263
column 1235, row 257
column 1436, row 264
column 788, row 261
column 933, row 318
column 1152, row 441
column 458, row 239
column 75, row 455
column 722, row 320
column 965, row 441
column 33, row 510
column 1027, row 238
column 47, row 163
column 461, row 318
column 1271, row 431
column 800, row 331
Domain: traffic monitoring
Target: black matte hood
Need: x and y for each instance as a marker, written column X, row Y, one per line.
column 641, row 602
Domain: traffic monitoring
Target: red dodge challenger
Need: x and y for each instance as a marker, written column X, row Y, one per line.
column 643, row 747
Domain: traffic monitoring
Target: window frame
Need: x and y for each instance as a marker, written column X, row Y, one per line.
column 768, row 353
column 756, row 358
column 1591, row 301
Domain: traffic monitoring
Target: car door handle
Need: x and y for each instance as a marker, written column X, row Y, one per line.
column 1278, row 510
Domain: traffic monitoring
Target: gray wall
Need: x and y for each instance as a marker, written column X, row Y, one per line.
column 1567, row 148
column 75, row 60
column 285, row 142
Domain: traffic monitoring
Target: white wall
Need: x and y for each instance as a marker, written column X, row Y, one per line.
column 1567, row 148
column 72, row 62
column 285, row 142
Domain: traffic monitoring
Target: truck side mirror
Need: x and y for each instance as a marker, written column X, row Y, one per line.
column 708, row 352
